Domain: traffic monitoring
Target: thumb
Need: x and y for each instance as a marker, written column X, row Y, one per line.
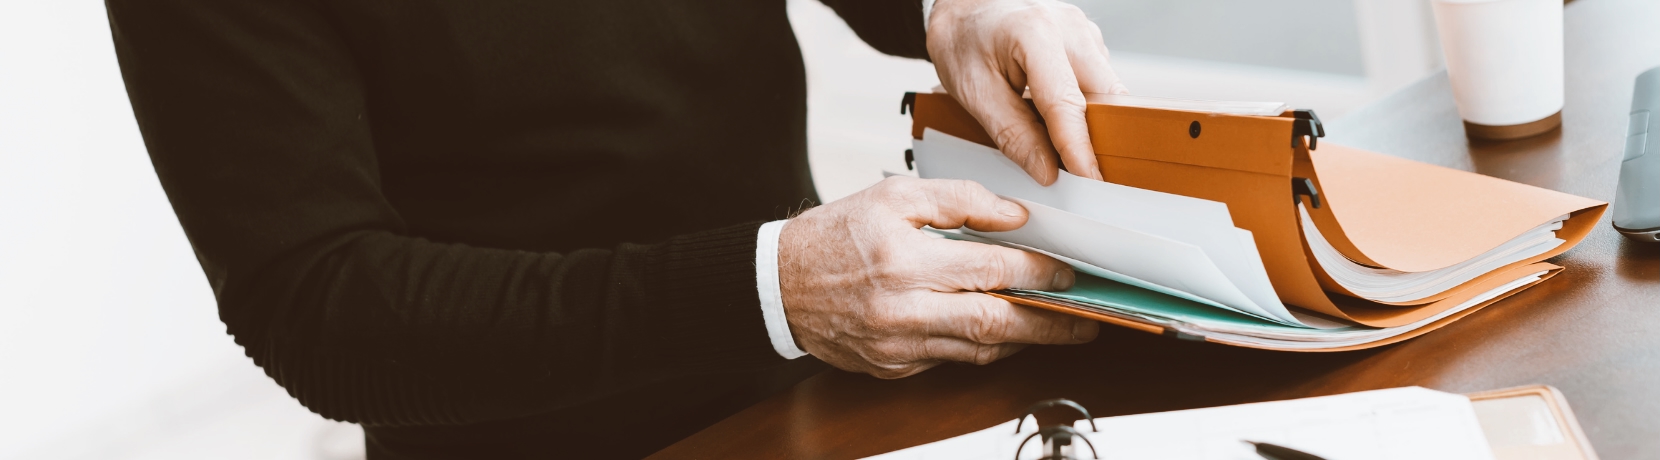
column 952, row 203
column 1016, row 129
column 984, row 267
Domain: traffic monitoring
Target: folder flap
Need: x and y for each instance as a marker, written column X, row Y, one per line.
column 1397, row 317
column 1550, row 269
column 1233, row 142
column 1441, row 322
column 942, row 113
column 1373, row 314
column 1410, row 216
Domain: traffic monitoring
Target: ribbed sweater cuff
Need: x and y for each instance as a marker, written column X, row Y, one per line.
column 702, row 287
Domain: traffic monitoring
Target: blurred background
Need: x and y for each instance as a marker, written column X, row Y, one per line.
column 110, row 345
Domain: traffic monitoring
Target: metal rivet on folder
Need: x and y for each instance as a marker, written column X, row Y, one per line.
column 1193, row 129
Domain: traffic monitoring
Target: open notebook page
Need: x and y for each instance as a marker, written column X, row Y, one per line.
column 1409, row 423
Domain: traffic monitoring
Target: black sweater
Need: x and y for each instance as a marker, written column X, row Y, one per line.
column 422, row 214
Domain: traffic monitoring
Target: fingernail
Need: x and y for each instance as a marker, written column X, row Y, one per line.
column 1064, row 279
column 1009, row 208
column 1084, row 331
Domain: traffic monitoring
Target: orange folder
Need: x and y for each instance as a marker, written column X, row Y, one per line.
column 1377, row 210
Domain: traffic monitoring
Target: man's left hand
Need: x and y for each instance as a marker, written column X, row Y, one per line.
column 988, row 51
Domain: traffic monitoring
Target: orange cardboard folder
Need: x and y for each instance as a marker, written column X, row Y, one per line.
column 1377, row 210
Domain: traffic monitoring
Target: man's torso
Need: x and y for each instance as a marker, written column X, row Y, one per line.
column 542, row 125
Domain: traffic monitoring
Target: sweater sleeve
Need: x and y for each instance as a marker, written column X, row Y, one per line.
column 891, row 26
column 255, row 120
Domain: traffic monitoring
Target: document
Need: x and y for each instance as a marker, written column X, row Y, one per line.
column 1211, row 258
column 1410, row 423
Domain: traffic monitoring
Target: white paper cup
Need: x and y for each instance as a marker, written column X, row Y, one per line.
column 1504, row 58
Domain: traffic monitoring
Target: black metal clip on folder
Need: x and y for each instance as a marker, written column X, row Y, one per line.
column 1056, row 437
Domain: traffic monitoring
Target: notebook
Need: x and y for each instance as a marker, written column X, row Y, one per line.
column 1244, row 241
column 1401, row 423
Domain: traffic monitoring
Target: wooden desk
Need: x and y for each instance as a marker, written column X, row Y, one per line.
column 1593, row 331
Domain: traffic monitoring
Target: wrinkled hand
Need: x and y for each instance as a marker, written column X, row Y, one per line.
column 865, row 291
column 988, row 51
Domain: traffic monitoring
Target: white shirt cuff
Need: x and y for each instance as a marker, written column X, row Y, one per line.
column 927, row 9
column 772, row 297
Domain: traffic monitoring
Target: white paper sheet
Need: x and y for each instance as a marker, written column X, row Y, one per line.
column 1409, row 423
column 1204, row 224
column 1081, row 266
column 1151, row 258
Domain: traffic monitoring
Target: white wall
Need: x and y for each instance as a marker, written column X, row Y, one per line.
column 110, row 346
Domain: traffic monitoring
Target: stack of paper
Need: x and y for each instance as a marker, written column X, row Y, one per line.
column 1386, row 285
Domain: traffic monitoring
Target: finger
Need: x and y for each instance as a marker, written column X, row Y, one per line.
column 1118, row 84
column 1056, row 94
column 969, row 266
column 1091, row 62
column 889, row 359
column 955, row 203
column 907, row 370
column 984, row 319
column 964, row 351
column 1017, row 131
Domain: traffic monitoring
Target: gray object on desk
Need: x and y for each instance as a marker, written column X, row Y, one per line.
column 1637, row 200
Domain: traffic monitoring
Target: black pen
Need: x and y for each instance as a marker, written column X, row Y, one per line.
column 1273, row 452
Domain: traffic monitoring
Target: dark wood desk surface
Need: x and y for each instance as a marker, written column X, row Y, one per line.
column 1593, row 331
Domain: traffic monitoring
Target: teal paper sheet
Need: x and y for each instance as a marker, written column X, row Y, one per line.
column 1123, row 298
column 1112, row 295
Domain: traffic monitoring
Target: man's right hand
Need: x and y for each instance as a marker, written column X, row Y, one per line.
column 865, row 291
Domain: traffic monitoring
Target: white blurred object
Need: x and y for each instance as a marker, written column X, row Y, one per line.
column 1261, row 109
column 110, row 345
column 1504, row 58
column 1397, row 44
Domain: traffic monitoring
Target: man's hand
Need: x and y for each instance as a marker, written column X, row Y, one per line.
column 988, row 51
column 865, row 291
